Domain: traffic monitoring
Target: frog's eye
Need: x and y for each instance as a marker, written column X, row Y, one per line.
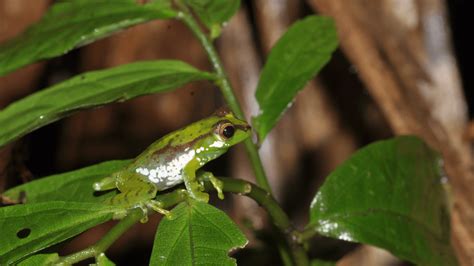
column 227, row 130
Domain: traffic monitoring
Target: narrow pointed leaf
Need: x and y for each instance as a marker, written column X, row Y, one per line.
column 93, row 89
column 199, row 234
column 73, row 186
column 70, row 24
column 388, row 194
column 295, row 59
column 28, row 228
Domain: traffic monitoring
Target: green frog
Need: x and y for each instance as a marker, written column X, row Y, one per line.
column 174, row 159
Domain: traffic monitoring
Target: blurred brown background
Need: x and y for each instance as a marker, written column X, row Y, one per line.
column 397, row 71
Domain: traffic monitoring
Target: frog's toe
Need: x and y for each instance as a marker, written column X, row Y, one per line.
column 220, row 195
column 144, row 219
column 216, row 182
column 143, row 207
column 218, row 185
column 158, row 207
column 200, row 196
column 119, row 215
column 96, row 186
column 104, row 184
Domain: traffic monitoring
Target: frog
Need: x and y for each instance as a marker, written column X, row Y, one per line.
column 174, row 159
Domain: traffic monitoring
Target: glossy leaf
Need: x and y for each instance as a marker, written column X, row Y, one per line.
column 73, row 186
column 199, row 234
column 213, row 13
column 93, row 89
column 28, row 228
column 70, row 24
column 40, row 259
column 295, row 59
column 388, row 194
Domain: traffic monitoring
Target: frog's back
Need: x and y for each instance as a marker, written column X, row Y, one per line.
column 163, row 162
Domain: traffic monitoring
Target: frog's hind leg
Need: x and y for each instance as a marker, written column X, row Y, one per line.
column 135, row 191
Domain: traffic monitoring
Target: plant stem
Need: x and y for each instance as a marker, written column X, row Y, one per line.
column 101, row 246
column 278, row 216
column 306, row 234
column 167, row 200
column 226, row 89
column 240, row 187
column 262, row 197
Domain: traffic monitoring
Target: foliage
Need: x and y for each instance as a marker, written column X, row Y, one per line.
column 388, row 194
column 283, row 74
column 71, row 24
column 205, row 236
column 93, row 89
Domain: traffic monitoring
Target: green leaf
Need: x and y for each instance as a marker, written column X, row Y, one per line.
column 213, row 13
column 388, row 194
column 94, row 89
column 70, row 24
column 28, row 228
column 199, row 234
column 73, row 186
column 40, row 259
column 296, row 58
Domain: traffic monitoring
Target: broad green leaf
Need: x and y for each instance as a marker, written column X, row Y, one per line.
column 73, row 186
column 70, row 24
column 28, row 228
column 295, row 59
column 93, row 89
column 199, row 234
column 213, row 13
column 388, row 194
column 40, row 259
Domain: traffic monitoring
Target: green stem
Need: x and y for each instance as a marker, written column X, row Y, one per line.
column 168, row 200
column 240, row 187
column 306, row 234
column 227, row 91
column 276, row 213
column 101, row 246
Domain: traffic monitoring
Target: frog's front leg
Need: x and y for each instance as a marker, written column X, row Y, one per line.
column 216, row 182
column 193, row 187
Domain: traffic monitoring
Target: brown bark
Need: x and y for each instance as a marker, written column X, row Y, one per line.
column 368, row 256
column 402, row 54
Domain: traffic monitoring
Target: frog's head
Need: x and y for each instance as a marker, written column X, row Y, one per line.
column 218, row 133
column 229, row 130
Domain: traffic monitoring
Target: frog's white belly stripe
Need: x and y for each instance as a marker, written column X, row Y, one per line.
column 168, row 174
